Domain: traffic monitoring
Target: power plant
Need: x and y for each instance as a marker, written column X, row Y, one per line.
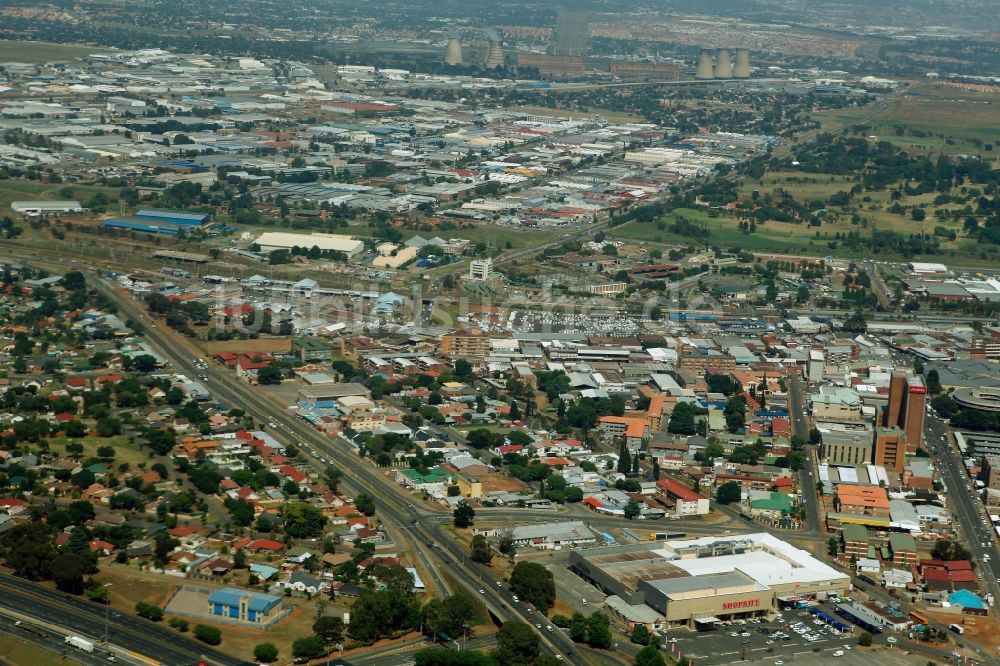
column 494, row 52
column 724, row 64
column 453, row 55
column 705, row 68
column 742, row 70
column 718, row 64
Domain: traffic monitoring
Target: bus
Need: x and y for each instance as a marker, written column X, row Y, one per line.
column 957, row 628
column 918, row 618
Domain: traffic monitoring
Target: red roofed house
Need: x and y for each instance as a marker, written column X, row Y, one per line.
column 264, row 546
column 292, row 474
column 102, row 547
column 784, row 484
column 687, row 501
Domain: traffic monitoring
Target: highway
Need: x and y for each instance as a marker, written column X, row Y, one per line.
column 86, row 619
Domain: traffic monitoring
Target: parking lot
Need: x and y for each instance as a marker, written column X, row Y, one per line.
column 772, row 640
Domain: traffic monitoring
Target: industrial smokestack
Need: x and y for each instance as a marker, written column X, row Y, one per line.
column 494, row 52
column 742, row 70
column 705, row 69
column 453, row 56
column 724, row 65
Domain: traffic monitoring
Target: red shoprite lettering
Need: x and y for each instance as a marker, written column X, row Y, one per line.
column 746, row 603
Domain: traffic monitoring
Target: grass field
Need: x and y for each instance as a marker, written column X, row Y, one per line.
column 124, row 451
column 23, row 51
column 17, row 652
column 779, row 237
column 953, row 119
column 20, row 190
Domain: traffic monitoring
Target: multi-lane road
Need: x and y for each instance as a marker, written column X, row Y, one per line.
column 87, row 619
column 971, row 517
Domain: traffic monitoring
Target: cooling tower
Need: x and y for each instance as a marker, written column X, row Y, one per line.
column 742, row 70
column 453, row 56
column 724, row 65
column 705, row 70
column 494, row 53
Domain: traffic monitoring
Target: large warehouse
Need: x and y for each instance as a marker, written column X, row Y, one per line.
column 699, row 582
column 158, row 222
column 280, row 240
column 34, row 208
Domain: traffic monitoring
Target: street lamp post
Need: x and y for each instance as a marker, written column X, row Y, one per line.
column 107, row 611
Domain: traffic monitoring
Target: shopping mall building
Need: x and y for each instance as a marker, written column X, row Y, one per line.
column 699, row 582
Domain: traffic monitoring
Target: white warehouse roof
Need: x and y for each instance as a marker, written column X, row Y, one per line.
column 333, row 242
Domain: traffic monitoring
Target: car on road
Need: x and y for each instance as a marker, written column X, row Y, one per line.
column 482, row 591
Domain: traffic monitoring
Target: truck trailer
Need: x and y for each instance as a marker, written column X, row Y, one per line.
column 80, row 643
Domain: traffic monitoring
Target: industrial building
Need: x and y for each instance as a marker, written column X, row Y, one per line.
column 552, row 65
column 280, row 240
column 159, row 222
column 35, row 208
column 644, row 69
column 699, row 582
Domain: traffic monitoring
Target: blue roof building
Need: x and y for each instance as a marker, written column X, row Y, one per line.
column 244, row 606
column 158, row 222
column 966, row 599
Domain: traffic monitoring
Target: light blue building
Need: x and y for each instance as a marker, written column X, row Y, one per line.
column 243, row 605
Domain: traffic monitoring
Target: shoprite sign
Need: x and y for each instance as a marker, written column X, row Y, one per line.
column 746, row 603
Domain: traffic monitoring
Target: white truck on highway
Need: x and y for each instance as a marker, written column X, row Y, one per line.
column 80, row 643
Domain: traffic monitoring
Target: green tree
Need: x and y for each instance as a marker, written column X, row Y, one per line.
column 365, row 503
column 265, row 653
column 682, row 419
column 865, row 639
column 308, row 647
column 330, row 628
column 933, row 381
column 535, row 584
column 624, row 459
column 578, row 628
column 640, row 635
column 449, row 616
column 599, row 631
column 68, row 570
column 463, row 515
column 632, row 509
column 303, row 521
column 832, row 547
column 517, row 644
column 463, row 370
column 728, row 493
column 149, row 611
column 649, row 656
column 481, row 551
